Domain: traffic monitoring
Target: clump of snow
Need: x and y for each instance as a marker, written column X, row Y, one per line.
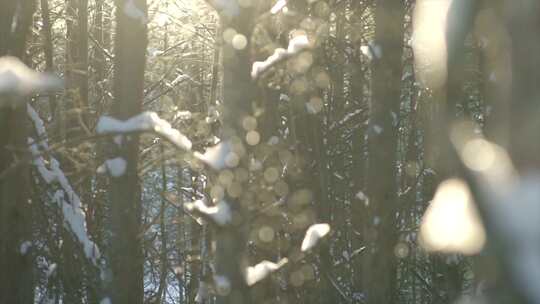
column 146, row 121
column 132, row 11
column 106, row 300
column 25, row 246
column 361, row 196
column 296, row 45
column 51, row 270
column 377, row 129
column 223, row 285
column 116, row 166
column 260, row 271
column 215, row 156
column 371, row 51
column 183, row 115
column 274, row 140
column 280, row 4
column 219, row 213
column 313, row 235
column 18, row 79
column 284, row 97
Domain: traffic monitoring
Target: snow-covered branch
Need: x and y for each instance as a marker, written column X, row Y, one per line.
column 296, row 46
column 65, row 197
column 220, row 214
column 144, row 122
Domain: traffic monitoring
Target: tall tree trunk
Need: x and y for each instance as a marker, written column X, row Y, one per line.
column 125, row 194
column 238, row 93
column 16, row 280
column 380, row 272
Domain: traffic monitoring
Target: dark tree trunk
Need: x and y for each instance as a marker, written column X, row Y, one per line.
column 125, row 194
column 381, row 234
column 16, row 279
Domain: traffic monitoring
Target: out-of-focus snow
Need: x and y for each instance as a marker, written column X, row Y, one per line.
column 371, row 51
column 296, row 45
column 222, row 284
column 215, row 156
column 228, row 7
column 106, row 300
column 116, row 166
column 25, row 246
column 260, row 271
column 16, row 79
column 131, row 10
column 51, row 270
column 146, row 121
column 280, row 4
column 219, row 213
column 313, row 235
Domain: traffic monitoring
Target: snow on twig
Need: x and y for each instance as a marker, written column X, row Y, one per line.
column 262, row 270
column 144, row 122
column 296, row 45
column 219, row 214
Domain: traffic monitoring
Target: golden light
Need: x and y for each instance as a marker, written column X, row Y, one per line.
column 451, row 222
column 428, row 42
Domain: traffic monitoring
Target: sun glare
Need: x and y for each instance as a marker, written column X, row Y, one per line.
column 451, row 222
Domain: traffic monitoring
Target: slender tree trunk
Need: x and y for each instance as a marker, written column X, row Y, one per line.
column 380, row 272
column 238, row 93
column 125, row 194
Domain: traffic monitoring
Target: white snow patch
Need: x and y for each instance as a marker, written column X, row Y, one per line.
column 492, row 77
column 18, row 79
column 146, row 121
column 274, row 140
column 260, row 271
column 223, row 285
column 25, row 246
column 50, row 271
column 215, row 156
column 132, row 11
column 227, row 7
column 361, row 196
column 116, row 166
column 183, row 115
column 219, row 213
column 371, row 51
column 280, row 4
column 105, row 301
column 313, row 235
column 296, row 45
